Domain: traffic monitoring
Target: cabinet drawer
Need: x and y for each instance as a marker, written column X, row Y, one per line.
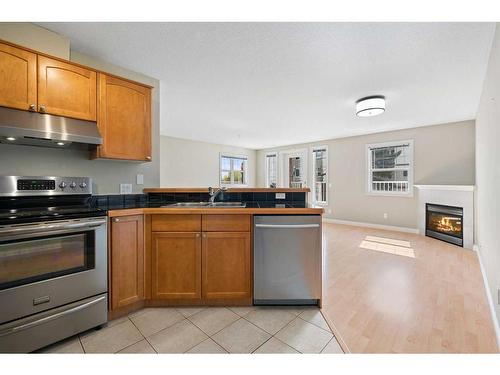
column 176, row 223
column 226, row 223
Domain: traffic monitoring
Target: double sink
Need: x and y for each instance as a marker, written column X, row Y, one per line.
column 208, row 204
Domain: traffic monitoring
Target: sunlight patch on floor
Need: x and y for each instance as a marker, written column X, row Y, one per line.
column 390, row 241
column 387, row 248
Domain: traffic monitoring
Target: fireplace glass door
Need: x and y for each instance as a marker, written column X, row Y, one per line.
column 445, row 223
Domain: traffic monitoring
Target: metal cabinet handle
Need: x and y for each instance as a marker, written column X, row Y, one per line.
column 32, row 107
column 148, row 157
column 116, row 220
column 197, row 235
column 42, row 108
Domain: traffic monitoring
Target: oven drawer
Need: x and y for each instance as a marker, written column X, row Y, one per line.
column 39, row 330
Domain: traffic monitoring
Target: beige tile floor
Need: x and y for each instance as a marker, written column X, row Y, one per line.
column 208, row 330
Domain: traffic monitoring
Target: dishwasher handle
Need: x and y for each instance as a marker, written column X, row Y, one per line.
column 287, row 226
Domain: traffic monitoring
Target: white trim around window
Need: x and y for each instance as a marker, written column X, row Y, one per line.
column 271, row 157
column 284, row 157
column 402, row 187
column 233, row 159
column 320, row 188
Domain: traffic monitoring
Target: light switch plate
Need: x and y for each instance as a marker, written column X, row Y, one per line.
column 280, row 196
column 125, row 188
column 140, row 179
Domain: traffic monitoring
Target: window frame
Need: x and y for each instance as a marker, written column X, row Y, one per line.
column 369, row 169
column 313, row 177
column 284, row 157
column 266, row 169
column 245, row 170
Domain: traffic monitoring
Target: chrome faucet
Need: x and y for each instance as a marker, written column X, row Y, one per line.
column 214, row 193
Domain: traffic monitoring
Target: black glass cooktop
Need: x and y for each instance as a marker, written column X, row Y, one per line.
column 23, row 209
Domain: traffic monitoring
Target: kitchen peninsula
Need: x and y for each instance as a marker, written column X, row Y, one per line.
column 173, row 248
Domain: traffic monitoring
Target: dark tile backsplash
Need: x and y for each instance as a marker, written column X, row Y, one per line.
column 137, row 200
column 225, row 197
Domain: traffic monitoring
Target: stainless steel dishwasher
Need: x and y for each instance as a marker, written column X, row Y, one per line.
column 287, row 259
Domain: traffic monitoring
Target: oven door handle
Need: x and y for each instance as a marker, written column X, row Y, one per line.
column 50, row 227
column 46, row 319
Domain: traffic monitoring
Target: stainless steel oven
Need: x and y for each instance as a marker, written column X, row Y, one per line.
column 53, row 280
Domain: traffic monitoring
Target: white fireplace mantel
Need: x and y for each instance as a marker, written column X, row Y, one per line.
column 449, row 195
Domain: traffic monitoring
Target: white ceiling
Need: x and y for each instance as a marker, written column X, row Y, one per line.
column 260, row 85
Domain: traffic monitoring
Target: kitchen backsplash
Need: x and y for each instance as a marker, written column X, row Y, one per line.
column 136, row 200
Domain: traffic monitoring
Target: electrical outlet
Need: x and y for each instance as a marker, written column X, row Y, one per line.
column 125, row 188
column 385, row 215
column 280, row 196
column 140, row 179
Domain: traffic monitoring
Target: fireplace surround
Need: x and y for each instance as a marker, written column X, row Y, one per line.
column 448, row 195
column 444, row 223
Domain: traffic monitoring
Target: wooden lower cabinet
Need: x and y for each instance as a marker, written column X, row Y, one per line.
column 226, row 269
column 176, row 265
column 127, row 261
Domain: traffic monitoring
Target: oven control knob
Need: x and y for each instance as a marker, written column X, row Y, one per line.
column 83, row 185
column 72, row 185
column 62, row 185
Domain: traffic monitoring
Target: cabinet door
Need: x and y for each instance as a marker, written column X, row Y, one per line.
column 226, row 265
column 127, row 260
column 17, row 78
column 176, row 265
column 124, row 119
column 65, row 89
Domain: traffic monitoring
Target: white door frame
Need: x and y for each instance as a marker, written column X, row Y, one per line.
column 284, row 156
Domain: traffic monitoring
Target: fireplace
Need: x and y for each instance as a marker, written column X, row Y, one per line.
column 444, row 223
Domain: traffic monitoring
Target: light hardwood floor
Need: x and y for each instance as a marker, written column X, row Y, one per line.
column 380, row 302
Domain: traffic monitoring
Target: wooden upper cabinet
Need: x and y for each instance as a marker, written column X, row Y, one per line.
column 176, row 265
column 67, row 90
column 127, row 260
column 226, row 265
column 124, row 119
column 17, row 78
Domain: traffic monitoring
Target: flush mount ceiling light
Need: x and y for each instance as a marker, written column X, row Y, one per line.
column 370, row 106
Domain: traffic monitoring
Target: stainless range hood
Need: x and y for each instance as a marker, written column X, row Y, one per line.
column 37, row 129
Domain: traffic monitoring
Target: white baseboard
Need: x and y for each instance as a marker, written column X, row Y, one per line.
column 491, row 304
column 370, row 225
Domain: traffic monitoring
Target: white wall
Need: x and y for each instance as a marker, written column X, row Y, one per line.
column 35, row 37
column 35, row 161
column 488, row 173
column 186, row 163
column 443, row 154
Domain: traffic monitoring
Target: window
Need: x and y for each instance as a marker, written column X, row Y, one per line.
column 390, row 168
column 320, row 175
column 296, row 162
column 233, row 170
column 272, row 170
